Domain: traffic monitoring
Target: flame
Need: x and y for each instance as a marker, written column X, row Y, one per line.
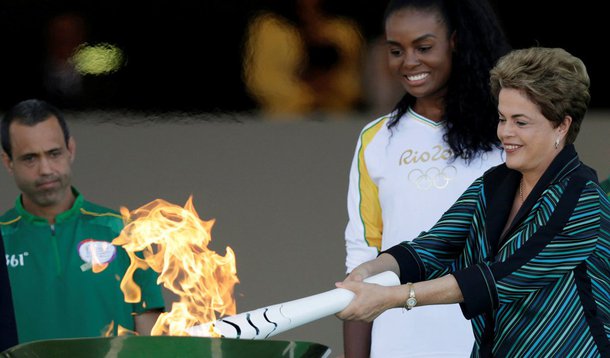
column 121, row 331
column 107, row 331
column 97, row 265
column 173, row 241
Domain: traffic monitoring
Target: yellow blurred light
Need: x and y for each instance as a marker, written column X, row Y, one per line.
column 97, row 59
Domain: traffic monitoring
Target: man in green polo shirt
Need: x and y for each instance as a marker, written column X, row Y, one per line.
column 55, row 241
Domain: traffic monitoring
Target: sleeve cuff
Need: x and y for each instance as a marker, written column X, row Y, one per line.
column 411, row 266
column 478, row 289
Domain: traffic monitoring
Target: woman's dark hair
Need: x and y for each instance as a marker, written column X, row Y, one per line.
column 470, row 113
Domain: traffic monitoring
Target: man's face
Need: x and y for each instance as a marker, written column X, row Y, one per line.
column 41, row 163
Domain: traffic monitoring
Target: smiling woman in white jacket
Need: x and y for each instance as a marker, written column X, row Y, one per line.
column 411, row 165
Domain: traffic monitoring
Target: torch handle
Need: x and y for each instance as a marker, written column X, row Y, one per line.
column 269, row 321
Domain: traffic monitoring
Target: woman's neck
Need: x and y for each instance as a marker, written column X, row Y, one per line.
column 433, row 109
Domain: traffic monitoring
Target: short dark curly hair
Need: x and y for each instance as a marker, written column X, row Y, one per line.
column 30, row 112
column 556, row 81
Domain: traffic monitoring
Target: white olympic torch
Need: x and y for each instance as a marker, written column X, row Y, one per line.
column 265, row 322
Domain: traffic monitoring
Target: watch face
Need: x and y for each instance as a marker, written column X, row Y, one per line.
column 411, row 301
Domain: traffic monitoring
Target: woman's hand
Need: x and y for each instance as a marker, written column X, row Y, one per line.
column 358, row 274
column 383, row 262
column 370, row 300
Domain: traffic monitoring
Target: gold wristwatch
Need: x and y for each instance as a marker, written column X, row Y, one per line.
column 411, row 300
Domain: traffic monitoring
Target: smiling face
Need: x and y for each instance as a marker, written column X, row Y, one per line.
column 41, row 165
column 420, row 51
column 526, row 135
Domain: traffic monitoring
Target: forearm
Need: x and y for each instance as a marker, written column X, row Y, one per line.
column 442, row 290
column 357, row 339
column 145, row 322
column 382, row 263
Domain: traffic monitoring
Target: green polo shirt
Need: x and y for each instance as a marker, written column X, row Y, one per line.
column 55, row 292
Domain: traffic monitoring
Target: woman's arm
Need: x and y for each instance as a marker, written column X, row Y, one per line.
column 364, row 229
column 371, row 300
column 563, row 235
column 362, row 235
column 429, row 257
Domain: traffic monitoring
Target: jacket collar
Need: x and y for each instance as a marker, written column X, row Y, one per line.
column 74, row 210
column 502, row 183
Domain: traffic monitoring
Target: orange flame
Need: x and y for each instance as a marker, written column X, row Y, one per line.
column 173, row 241
column 107, row 331
column 97, row 265
column 121, row 331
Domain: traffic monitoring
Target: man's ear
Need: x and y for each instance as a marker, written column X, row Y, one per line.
column 8, row 163
column 72, row 148
column 452, row 41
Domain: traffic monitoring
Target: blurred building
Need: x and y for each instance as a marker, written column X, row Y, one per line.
column 305, row 61
column 188, row 55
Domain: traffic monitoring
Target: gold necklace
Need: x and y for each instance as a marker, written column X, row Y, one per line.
column 521, row 190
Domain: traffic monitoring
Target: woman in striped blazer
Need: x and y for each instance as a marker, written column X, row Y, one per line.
column 525, row 250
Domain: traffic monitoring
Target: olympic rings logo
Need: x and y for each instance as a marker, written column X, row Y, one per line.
column 433, row 177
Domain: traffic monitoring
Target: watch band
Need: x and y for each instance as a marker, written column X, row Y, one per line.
column 411, row 300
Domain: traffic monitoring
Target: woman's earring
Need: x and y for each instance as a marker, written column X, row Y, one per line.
column 556, row 143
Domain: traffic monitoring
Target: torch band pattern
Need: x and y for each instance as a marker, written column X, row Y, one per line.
column 265, row 322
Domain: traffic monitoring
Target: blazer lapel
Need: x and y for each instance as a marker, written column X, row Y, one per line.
column 500, row 187
column 502, row 195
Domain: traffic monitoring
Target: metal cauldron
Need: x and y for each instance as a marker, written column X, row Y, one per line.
column 165, row 346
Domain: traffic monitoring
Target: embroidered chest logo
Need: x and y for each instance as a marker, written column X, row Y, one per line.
column 433, row 177
column 96, row 254
column 437, row 152
column 436, row 176
column 17, row 260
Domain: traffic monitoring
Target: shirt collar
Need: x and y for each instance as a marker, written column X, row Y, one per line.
column 66, row 215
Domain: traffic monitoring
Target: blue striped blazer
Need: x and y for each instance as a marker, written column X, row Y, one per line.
column 543, row 288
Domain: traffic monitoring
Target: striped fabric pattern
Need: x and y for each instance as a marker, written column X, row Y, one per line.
column 543, row 289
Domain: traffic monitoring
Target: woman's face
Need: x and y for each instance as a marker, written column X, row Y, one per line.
column 527, row 136
column 420, row 51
